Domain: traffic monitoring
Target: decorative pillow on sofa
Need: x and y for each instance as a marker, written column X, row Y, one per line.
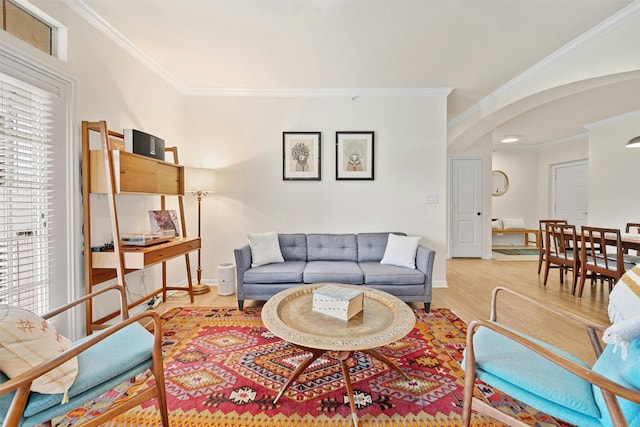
column 265, row 248
column 27, row 341
column 401, row 251
column 513, row 223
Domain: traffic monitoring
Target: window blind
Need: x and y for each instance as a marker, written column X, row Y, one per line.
column 26, row 216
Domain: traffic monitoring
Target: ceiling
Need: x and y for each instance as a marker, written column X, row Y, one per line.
column 472, row 46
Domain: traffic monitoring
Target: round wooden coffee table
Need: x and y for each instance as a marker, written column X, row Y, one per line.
column 383, row 320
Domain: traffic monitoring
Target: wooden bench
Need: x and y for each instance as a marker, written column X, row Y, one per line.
column 526, row 232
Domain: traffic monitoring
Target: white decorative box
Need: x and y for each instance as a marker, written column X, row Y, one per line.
column 338, row 301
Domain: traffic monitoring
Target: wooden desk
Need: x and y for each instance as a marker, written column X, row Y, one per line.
column 524, row 231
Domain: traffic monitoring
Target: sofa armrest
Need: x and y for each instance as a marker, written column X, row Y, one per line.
column 424, row 262
column 243, row 263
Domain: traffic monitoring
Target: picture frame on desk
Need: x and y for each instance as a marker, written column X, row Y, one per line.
column 163, row 220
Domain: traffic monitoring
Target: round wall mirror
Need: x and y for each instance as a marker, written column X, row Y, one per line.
column 500, row 183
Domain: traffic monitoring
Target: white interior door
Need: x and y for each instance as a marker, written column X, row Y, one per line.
column 467, row 197
column 570, row 196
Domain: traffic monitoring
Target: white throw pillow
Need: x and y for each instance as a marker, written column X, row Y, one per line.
column 401, row 251
column 265, row 248
column 622, row 333
column 513, row 223
column 27, row 341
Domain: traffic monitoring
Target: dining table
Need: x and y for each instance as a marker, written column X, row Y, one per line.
column 630, row 241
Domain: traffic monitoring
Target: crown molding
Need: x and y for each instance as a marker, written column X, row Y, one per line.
column 93, row 18
column 614, row 21
column 352, row 93
column 613, row 119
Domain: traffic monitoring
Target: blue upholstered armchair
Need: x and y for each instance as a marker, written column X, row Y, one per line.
column 97, row 363
column 549, row 379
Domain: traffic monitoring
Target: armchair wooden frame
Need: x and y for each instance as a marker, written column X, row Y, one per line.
column 610, row 390
column 22, row 383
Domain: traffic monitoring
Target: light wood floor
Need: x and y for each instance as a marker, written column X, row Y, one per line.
column 470, row 282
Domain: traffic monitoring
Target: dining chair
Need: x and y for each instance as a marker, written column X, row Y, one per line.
column 632, row 228
column 58, row 376
column 542, row 226
column 602, row 257
column 561, row 243
column 534, row 372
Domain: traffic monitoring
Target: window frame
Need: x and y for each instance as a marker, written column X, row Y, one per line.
column 66, row 283
column 59, row 33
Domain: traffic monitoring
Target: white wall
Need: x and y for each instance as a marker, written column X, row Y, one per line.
column 521, row 199
column 242, row 139
column 555, row 154
column 529, row 191
column 115, row 87
column 613, row 172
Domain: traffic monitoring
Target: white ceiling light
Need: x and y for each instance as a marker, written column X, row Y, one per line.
column 508, row 139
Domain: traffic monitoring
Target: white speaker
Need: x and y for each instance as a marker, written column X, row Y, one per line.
column 226, row 279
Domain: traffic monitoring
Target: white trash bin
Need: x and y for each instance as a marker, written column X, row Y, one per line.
column 226, row 279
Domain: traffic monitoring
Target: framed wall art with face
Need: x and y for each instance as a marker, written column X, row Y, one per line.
column 301, row 158
column 354, row 156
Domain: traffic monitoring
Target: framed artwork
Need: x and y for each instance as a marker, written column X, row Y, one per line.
column 354, row 156
column 162, row 220
column 301, row 156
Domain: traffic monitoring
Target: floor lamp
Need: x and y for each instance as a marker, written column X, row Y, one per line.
column 199, row 182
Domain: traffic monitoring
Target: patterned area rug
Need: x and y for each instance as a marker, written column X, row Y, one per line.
column 517, row 251
column 224, row 368
column 515, row 254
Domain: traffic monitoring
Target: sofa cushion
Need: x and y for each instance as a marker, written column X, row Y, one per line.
column 513, row 223
column 371, row 246
column 332, row 247
column 265, row 248
column 293, row 246
column 333, row 271
column 282, row 272
column 401, row 251
column 382, row 274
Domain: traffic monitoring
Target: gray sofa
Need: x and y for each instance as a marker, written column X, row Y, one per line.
column 339, row 258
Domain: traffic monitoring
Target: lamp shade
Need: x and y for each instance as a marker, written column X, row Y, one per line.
column 633, row 142
column 199, row 179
